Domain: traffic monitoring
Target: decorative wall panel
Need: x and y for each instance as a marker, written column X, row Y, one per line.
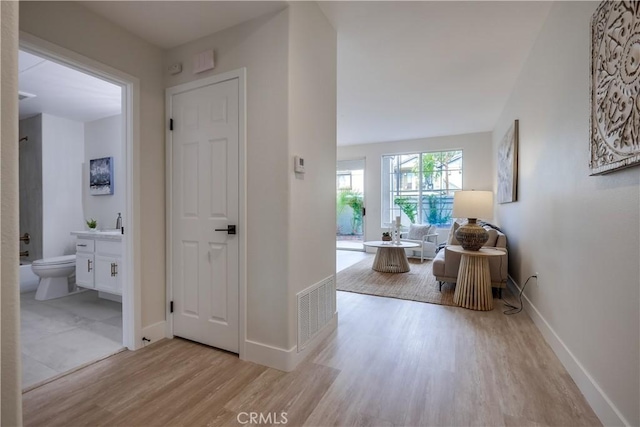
column 615, row 84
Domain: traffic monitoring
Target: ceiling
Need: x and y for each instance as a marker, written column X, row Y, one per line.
column 409, row 70
column 169, row 24
column 406, row 70
column 64, row 92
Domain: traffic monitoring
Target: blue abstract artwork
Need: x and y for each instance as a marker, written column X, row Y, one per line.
column 101, row 176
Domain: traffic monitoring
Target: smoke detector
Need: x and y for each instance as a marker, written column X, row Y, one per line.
column 25, row 95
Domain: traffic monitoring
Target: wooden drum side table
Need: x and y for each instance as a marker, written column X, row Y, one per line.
column 473, row 288
column 391, row 257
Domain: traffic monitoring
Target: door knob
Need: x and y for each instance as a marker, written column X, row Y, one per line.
column 231, row 229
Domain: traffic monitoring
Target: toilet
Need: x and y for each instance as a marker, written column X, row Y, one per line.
column 57, row 276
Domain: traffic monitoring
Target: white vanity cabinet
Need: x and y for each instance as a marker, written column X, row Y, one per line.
column 108, row 258
column 99, row 261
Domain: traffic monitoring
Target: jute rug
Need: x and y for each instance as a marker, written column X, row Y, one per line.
column 417, row 285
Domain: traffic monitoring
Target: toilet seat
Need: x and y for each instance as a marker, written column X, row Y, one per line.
column 58, row 260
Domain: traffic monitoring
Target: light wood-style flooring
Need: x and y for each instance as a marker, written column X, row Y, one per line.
column 390, row 363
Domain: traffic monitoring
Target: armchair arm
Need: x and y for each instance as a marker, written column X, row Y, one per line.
column 427, row 238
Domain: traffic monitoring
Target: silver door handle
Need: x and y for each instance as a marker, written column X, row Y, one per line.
column 231, row 229
column 88, row 266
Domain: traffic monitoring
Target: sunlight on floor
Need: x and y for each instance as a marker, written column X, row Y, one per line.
column 346, row 259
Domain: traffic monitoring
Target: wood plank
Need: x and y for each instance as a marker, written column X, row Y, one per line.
column 390, row 363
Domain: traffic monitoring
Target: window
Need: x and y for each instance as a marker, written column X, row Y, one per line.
column 419, row 187
column 344, row 180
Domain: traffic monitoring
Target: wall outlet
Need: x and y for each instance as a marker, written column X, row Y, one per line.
column 536, row 274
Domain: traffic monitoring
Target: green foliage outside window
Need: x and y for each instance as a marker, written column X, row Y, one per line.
column 355, row 201
column 408, row 206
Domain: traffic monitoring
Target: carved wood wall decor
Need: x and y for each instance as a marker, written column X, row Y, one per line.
column 615, row 86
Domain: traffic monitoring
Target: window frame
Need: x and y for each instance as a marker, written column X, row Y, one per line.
column 392, row 182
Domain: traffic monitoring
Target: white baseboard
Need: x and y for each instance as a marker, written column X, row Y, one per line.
column 280, row 358
column 154, row 332
column 110, row 297
column 600, row 403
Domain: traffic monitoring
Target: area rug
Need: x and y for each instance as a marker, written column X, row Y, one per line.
column 417, row 285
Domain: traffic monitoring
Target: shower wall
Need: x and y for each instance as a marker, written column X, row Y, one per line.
column 30, row 165
column 50, row 190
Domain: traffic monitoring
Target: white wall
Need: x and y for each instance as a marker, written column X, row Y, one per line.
column 103, row 138
column 580, row 232
column 70, row 25
column 477, row 166
column 62, row 159
column 312, row 135
column 261, row 46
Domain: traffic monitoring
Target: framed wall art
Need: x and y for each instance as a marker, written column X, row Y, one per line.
column 615, row 84
column 101, row 176
column 508, row 166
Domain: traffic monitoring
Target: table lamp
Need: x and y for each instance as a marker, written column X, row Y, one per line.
column 472, row 205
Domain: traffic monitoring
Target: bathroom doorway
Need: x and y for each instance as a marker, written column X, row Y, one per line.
column 78, row 296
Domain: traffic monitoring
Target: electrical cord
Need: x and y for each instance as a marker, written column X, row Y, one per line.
column 512, row 308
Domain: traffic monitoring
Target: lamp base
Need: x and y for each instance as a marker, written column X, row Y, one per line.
column 471, row 236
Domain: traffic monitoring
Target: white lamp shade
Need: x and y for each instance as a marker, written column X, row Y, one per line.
column 473, row 204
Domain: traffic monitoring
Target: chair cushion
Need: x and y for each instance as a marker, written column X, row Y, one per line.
column 417, row 231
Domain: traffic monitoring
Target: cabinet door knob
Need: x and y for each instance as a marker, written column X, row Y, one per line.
column 88, row 266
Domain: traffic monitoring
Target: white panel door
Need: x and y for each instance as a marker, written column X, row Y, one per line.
column 205, row 198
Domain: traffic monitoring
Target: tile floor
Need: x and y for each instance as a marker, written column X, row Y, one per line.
column 61, row 334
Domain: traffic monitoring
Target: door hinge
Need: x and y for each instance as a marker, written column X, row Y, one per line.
column 171, row 307
column 170, row 124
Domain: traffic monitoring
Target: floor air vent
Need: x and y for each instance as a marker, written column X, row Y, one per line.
column 316, row 306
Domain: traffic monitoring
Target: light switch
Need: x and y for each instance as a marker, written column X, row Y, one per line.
column 298, row 164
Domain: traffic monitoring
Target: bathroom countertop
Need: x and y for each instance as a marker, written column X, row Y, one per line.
column 102, row 235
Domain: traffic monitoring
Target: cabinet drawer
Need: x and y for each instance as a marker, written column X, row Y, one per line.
column 106, row 247
column 84, row 245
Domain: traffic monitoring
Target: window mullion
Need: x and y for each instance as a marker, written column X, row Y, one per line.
column 420, row 183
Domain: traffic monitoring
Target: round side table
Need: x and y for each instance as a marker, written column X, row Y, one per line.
column 391, row 257
column 473, row 288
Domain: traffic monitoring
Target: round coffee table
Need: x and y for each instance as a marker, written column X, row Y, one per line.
column 473, row 288
column 391, row 257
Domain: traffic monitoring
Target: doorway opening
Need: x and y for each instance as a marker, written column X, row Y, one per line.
column 350, row 205
column 76, row 125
